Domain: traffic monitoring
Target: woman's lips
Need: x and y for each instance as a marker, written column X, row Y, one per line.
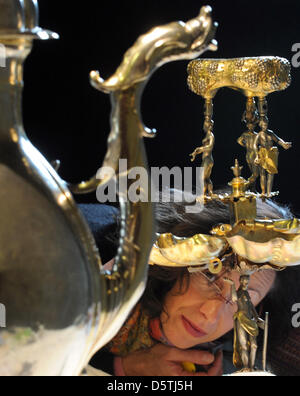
column 192, row 329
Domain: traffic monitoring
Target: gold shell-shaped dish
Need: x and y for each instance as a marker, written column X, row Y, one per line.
column 171, row 251
column 278, row 252
column 255, row 77
column 276, row 242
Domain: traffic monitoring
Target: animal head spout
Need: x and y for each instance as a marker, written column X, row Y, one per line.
column 203, row 30
column 163, row 44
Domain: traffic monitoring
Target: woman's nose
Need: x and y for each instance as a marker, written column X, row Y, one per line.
column 211, row 310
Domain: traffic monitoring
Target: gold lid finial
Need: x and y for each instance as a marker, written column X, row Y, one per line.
column 19, row 19
column 237, row 169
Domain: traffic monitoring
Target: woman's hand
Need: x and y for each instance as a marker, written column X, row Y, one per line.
column 163, row 361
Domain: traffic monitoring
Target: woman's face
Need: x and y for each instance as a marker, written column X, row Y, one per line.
column 199, row 315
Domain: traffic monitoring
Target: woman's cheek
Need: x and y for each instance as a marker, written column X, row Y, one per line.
column 228, row 319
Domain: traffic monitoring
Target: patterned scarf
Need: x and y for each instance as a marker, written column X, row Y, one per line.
column 139, row 333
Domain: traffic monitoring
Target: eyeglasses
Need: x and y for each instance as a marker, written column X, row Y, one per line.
column 212, row 286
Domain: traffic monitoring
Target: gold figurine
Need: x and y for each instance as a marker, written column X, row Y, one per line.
column 207, row 156
column 267, row 155
column 248, row 139
column 246, row 326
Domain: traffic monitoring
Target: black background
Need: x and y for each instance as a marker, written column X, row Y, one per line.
column 68, row 120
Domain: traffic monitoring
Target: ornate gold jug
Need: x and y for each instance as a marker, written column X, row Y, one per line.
column 61, row 305
column 49, row 265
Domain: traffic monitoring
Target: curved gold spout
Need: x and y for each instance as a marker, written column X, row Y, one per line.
column 171, row 42
column 161, row 45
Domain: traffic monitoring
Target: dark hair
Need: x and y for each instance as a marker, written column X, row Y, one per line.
column 173, row 218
